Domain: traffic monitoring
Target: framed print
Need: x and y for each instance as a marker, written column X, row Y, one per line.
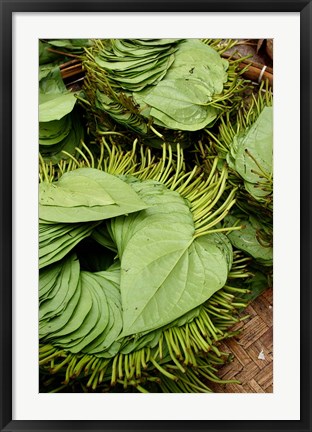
column 139, row 268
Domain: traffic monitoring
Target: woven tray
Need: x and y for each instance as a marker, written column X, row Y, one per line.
column 252, row 369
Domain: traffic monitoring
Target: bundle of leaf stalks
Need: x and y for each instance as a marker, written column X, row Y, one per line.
column 148, row 256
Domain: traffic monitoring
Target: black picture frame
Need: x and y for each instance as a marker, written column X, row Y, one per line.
column 10, row 7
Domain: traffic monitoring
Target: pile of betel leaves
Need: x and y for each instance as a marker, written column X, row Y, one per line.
column 155, row 212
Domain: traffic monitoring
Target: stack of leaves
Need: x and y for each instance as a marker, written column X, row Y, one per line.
column 246, row 144
column 251, row 157
column 70, row 208
column 60, row 126
column 135, row 279
column 137, row 63
column 168, row 84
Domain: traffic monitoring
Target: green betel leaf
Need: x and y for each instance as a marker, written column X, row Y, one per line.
column 65, row 287
column 110, row 296
column 257, row 284
column 55, row 101
column 160, row 284
column 153, row 42
column 184, row 103
column 248, row 239
column 85, row 195
column 165, row 271
column 52, row 83
column 74, row 191
column 70, row 44
column 46, row 56
column 54, row 152
column 96, row 321
column 57, row 240
column 196, row 60
column 164, row 206
column 182, row 99
column 254, row 156
column 166, row 121
column 55, row 106
column 55, row 131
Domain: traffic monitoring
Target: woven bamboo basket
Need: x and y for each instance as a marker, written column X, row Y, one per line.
column 252, row 351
